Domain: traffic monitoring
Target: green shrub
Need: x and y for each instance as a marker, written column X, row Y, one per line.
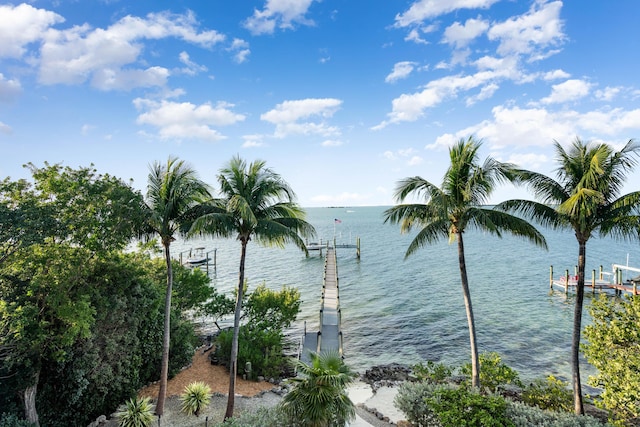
column 137, row 412
column 262, row 348
column 460, row 407
column 410, row 400
column 196, row 396
column 12, row 420
column 551, row 394
column 526, row 416
column 493, row 373
column 432, row 372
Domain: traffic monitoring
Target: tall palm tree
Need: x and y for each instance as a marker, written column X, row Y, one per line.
column 449, row 210
column 257, row 204
column 173, row 193
column 318, row 397
column 585, row 198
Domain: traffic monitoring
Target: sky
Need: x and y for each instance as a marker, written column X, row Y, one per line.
column 342, row 98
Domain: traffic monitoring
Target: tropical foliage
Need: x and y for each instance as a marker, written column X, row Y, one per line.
column 255, row 204
column 195, row 396
column 455, row 206
column 319, row 397
column 586, row 199
column 136, row 412
column 613, row 341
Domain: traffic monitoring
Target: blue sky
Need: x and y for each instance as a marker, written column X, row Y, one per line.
column 343, row 98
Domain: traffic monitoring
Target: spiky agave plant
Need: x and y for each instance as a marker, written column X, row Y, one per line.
column 196, row 396
column 136, row 412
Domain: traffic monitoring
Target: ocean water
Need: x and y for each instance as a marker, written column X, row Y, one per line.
column 410, row 310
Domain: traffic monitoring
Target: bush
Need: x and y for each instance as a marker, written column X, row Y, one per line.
column 196, row 396
column 12, row 420
column 551, row 394
column 493, row 373
column 432, row 372
column 410, row 400
column 262, row 348
column 461, row 407
column 137, row 412
column 526, row 416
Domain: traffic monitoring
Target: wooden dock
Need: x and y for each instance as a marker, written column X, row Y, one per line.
column 598, row 282
column 329, row 335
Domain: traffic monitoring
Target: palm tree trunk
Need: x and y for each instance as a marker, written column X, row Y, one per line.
column 577, row 327
column 166, row 338
column 233, row 360
column 475, row 363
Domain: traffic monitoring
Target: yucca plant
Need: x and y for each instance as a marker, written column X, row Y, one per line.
column 196, row 396
column 136, row 412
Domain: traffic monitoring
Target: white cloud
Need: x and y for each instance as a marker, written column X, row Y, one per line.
column 530, row 161
column 608, row 93
column 485, row 93
column 460, row 35
column 21, row 25
column 539, row 127
column 569, row 90
column 401, row 70
column 539, row 28
column 415, row 160
column 282, row 14
column 292, row 117
column 10, row 89
column 252, row 141
column 429, row 9
column 240, row 49
column 107, row 56
column 556, row 75
column 410, row 107
column 191, row 68
column 86, row 128
column 5, row 128
column 185, row 120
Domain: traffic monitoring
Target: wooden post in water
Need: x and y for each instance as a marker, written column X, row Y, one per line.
column 601, row 273
column 566, row 281
column 358, row 247
column 593, row 281
column 575, row 270
column 551, row 277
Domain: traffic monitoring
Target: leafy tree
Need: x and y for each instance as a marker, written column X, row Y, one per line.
column 266, row 313
column 56, row 224
column 613, row 343
column 174, row 194
column 586, row 199
column 493, row 373
column 318, row 397
column 255, row 203
column 449, row 210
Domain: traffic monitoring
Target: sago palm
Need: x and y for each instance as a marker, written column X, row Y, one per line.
column 174, row 192
column 319, row 397
column 255, row 204
column 457, row 205
column 585, row 198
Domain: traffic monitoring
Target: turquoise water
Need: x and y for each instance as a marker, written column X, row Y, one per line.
column 408, row 310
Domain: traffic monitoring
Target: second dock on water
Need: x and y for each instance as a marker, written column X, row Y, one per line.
column 612, row 282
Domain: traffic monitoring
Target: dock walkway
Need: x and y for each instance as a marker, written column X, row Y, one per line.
column 329, row 335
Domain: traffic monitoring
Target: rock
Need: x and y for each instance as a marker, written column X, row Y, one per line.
column 404, row 423
column 386, row 375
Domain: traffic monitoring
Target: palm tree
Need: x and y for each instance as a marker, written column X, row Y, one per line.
column 585, row 198
column 257, row 204
column 318, row 397
column 173, row 193
column 455, row 206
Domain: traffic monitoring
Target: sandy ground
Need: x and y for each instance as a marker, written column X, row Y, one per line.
column 250, row 396
column 217, row 377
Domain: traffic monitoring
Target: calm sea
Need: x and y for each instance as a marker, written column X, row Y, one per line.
column 409, row 310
